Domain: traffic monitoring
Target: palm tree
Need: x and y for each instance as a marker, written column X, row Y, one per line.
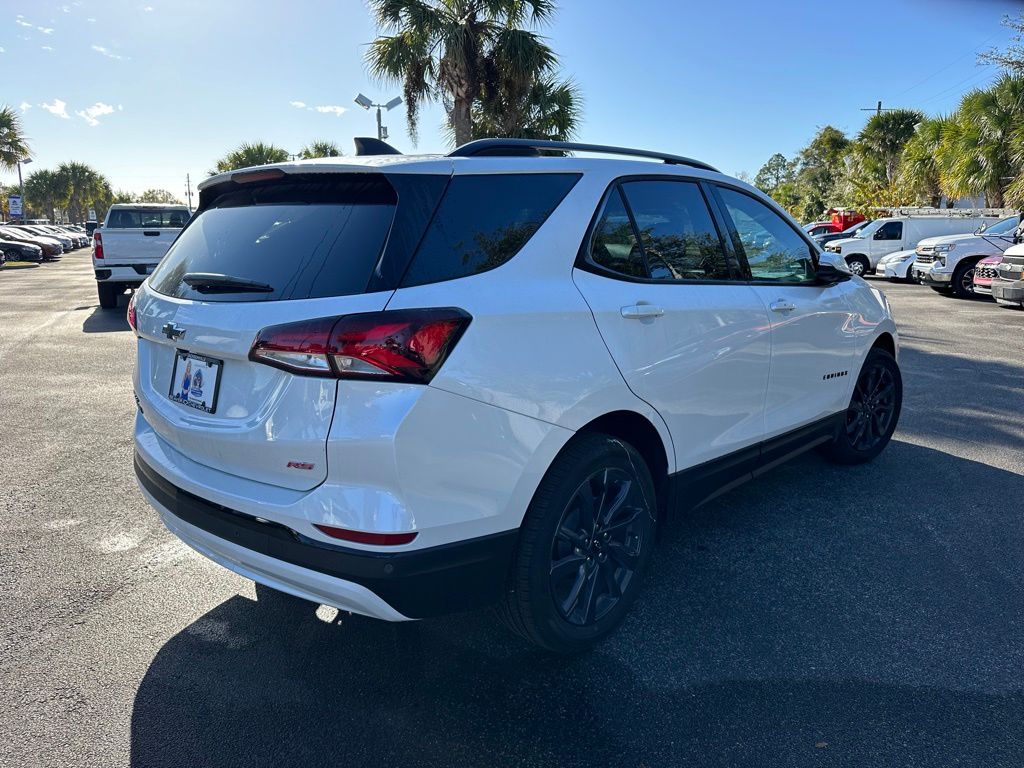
column 47, row 191
column 320, row 148
column 85, row 187
column 921, row 165
column 980, row 148
column 449, row 50
column 885, row 135
column 551, row 109
column 247, row 155
column 13, row 144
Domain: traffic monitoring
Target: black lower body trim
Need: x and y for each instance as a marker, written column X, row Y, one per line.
column 703, row 482
column 418, row 583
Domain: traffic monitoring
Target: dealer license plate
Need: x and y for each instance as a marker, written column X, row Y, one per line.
column 195, row 381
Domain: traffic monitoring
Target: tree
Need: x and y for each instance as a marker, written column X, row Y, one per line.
column 320, row 148
column 1012, row 59
column 456, row 51
column 46, row 191
column 920, row 172
column 777, row 171
column 980, row 145
column 85, row 186
column 552, row 109
column 13, row 144
column 247, row 155
column 820, row 170
column 158, row 196
column 874, row 157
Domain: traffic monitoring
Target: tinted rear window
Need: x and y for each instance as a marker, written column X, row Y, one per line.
column 141, row 219
column 483, row 221
column 305, row 239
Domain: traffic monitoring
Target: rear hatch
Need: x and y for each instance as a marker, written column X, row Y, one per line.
column 267, row 252
column 140, row 235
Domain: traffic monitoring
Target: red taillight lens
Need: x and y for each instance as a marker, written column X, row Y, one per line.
column 97, row 245
column 398, row 345
column 131, row 311
column 365, row 537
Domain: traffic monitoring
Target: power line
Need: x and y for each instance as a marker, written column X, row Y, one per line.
column 975, row 78
column 940, row 70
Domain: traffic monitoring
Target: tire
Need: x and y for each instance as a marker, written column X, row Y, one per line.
column 572, row 611
column 282, row 606
column 108, row 293
column 859, row 265
column 963, row 281
column 10, row 255
column 873, row 413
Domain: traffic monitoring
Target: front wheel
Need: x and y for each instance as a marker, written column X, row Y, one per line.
column 859, row 265
column 584, row 545
column 874, row 410
column 963, row 281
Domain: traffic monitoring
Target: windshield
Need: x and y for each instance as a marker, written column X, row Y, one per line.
column 870, row 229
column 1004, row 227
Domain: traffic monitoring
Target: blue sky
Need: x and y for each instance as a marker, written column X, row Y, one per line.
column 148, row 90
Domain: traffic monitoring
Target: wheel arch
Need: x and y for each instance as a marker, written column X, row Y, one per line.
column 885, row 341
column 637, row 430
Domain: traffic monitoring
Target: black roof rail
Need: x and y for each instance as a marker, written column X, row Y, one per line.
column 533, row 147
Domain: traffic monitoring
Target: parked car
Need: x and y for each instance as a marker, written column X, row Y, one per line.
column 52, row 248
column 823, row 240
column 15, row 250
column 131, row 242
column 896, row 266
column 1008, row 284
column 406, row 387
column 984, row 272
column 884, row 236
column 65, row 241
column 947, row 263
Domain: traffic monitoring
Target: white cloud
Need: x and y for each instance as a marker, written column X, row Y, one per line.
column 148, row 9
column 20, row 21
column 46, row 47
column 46, row 30
column 107, row 52
column 331, row 109
column 58, row 108
column 89, row 114
column 1, row 49
column 120, row 108
column 91, row 20
column 24, row 106
column 66, row 8
column 298, row 104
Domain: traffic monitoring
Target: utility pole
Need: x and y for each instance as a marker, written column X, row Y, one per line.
column 188, row 187
column 878, row 109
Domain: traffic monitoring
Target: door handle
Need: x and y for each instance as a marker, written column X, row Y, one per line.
column 151, row 234
column 781, row 305
column 640, row 311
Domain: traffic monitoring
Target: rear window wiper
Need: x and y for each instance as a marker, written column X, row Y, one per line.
column 214, row 282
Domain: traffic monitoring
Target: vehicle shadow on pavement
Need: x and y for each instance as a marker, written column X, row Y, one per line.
column 107, row 320
column 821, row 615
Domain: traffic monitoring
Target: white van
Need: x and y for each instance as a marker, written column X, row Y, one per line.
column 901, row 233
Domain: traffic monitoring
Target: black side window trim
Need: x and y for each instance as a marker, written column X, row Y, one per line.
column 738, row 244
column 585, row 263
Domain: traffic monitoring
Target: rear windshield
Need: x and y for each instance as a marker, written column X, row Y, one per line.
column 141, row 219
column 303, row 240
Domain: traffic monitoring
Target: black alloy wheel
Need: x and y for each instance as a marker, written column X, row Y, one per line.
column 872, row 408
column 597, row 546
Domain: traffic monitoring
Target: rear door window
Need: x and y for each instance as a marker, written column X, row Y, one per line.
column 303, row 239
column 614, row 243
column 483, row 221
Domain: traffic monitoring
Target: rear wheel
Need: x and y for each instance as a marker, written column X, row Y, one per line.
column 10, row 254
column 874, row 410
column 859, row 265
column 108, row 293
column 584, row 545
column 963, row 281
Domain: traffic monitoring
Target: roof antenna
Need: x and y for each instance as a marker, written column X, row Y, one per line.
column 367, row 145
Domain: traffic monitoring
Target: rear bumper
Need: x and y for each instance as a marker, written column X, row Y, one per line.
column 129, row 274
column 393, row 586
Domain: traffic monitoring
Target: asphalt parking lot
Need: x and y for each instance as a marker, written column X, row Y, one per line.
column 820, row 616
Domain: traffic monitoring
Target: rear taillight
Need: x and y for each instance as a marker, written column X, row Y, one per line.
column 398, row 345
column 97, row 246
column 131, row 311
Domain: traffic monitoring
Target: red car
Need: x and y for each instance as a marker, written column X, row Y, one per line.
column 984, row 273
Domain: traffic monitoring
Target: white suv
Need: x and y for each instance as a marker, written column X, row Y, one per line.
column 406, row 386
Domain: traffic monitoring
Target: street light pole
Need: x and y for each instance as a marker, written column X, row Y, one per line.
column 367, row 103
column 21, row 185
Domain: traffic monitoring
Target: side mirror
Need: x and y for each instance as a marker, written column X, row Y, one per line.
column 832, row 268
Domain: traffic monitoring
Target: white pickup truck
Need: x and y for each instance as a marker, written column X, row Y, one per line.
column 131, row 242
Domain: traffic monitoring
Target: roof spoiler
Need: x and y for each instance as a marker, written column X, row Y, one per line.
column 365, row 145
